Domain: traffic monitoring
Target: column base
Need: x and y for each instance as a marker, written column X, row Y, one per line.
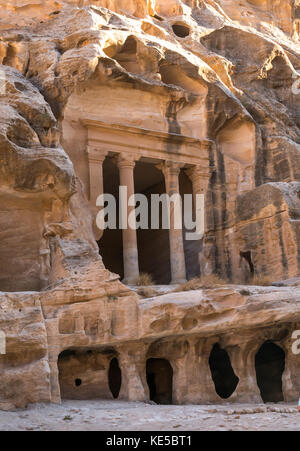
column 130, row 281
column 178, row 282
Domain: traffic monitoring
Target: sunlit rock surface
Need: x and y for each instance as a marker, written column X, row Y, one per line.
column 210, row 80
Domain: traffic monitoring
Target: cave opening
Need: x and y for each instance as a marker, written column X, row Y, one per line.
column 222, row 373
column 160, row 380
column 247, row 256
column 181, row 30
column 115, row 377
column 270, row 365
column 89, row 374
column 78, row 382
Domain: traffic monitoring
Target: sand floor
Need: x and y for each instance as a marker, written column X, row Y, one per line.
column 128, row 416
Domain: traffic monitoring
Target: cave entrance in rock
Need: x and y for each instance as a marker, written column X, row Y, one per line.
column 222, row 372
column 89, row 374
column 181, row 29
column 115, row 377
column 160, row 380
column 248, row 258
column 270, row 365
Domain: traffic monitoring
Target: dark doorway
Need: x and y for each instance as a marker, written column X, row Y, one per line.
column 111, row 243
column 89, row 374
column 269, row 365
column 153, row 244
column 115, row 378
column 222, row 372
column 191, row 248
column 160, row 380
column 248, row 258
column 78, row 382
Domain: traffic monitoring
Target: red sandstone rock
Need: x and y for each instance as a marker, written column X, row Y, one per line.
column 202, row 93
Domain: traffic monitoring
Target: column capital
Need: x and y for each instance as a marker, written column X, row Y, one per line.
column 170, row 167
column 197, row 173
column 125, row 160
column 199, row 177
column 96, row 155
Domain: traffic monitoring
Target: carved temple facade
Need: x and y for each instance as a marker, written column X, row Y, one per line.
column 170, row 153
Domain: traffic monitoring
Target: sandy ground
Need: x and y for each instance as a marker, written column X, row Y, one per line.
column 125, row 416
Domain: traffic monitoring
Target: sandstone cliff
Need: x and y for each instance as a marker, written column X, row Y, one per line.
column 221, row 74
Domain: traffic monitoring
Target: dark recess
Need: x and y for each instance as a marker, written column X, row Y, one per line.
column 115, row 377
column 270, row 365
column 222, row 372
column 181, row 30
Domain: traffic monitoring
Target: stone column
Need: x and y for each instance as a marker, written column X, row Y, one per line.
column 96, row 159
column 171, row 172
column 133, row 365
column 242, row 357
column 199, row 177
column 126, row 164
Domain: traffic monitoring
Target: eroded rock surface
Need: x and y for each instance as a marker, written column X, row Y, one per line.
column 207, row 84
